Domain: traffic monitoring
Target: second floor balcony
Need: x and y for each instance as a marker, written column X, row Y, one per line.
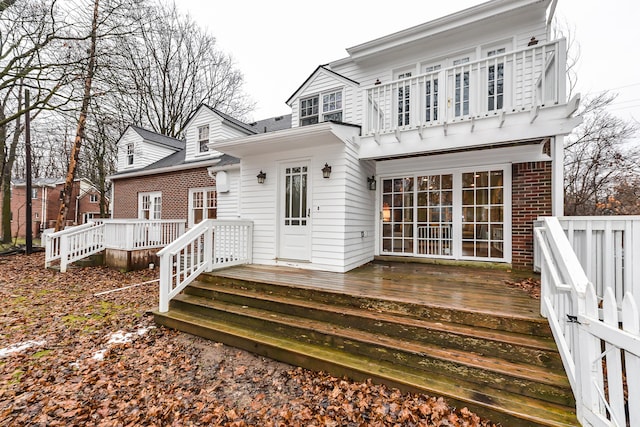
column 505, row 82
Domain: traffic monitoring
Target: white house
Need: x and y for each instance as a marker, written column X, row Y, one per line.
column 443, row 140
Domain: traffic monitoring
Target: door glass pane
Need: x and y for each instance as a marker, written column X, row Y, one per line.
column 397, row 215
column 434, row 227
column 295, row 195
column 482, row 214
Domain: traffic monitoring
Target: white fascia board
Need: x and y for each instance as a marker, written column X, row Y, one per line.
column 298, row 137
column 320, row 70
column 440, row 25
column 487, row 133
column 184, row 166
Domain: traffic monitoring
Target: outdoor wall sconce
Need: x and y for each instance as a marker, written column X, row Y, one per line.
column 261, row 177
column 326, row 171
column 371, row 183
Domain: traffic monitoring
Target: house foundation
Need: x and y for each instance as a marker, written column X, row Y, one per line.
column 128, row 260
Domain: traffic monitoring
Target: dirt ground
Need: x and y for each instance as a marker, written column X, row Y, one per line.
column 71, row 357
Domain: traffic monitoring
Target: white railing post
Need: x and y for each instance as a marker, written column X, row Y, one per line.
column 208, row 245
column 166, row 268
column 64, row 252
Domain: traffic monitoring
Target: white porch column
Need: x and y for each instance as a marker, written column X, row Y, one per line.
column 557, row 176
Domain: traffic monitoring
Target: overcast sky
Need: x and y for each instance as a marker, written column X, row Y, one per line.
column 278, row 43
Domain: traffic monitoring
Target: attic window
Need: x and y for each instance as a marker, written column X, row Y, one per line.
column 129, row 154
column 93, row 198
column 309, row 111
column 332, row 106
column 203, row 138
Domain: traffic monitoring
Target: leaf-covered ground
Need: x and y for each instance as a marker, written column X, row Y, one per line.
column 70, row 357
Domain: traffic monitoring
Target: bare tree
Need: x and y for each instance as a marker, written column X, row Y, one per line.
column 75, row 153
column 168, row 67
column 597, row 157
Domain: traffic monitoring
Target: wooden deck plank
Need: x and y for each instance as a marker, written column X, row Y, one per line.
column 458, row 287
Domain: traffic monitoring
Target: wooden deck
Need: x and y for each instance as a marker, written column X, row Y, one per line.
column 474, row 289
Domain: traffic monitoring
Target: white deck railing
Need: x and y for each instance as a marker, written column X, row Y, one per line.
column 209, row 245
column 507, row 82
column 582, row 331
column 608, row 249
column 75, row 243
column 133, row 234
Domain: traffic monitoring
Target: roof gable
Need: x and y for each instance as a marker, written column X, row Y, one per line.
column 321, row 70
column 225, row 119
column 157, row 138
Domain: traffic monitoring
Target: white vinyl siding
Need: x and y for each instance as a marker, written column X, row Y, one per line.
column 338, row 217
column 229, row 202
column 218, row 130
column 144, row 153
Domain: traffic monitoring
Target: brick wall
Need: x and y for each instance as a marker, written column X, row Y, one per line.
column 174, row 187
column 531, row 198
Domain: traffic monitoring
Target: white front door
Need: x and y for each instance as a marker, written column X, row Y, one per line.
column 294, row 222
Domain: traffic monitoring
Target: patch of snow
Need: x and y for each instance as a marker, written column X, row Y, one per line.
column 17, row 348
column 120, row 337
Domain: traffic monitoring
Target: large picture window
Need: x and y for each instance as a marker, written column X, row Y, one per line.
column 460, row 215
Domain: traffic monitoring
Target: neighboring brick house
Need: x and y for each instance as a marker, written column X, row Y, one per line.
column 159, row 177
column 45, row 204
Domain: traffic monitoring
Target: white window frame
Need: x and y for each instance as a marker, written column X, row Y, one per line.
column 205, row 200
column 34, row 193
column 403, row 107
column 94, row 198
column 457, row 211
column 313, row 108
column 332, row 106
column 129, row 157
column 431, row 98
column 153, row 208
column 203, row 138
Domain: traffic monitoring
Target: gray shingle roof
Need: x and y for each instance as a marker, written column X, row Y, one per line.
column 158, row 138
column 272, row 124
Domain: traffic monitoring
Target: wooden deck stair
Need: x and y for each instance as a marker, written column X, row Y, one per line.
column 504, row 367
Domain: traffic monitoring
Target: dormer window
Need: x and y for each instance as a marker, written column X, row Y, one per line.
column 309, row 111
column 332, row 106
column 203, row 138
column 129, row 154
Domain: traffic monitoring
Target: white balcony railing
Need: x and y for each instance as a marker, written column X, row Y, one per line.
column 598, row 337
column 209, row 245
column 507, row 82
column 75, row 243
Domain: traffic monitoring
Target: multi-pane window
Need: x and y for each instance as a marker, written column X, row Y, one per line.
column 203, row 204
column 332, row 106
column 495, row 81
column 295, row 203
column 431, row 94
column 130, row 149
column 397, row 215
column 203, row 138
column 34, row 193
column 483, row 214
column 404, row 99
column 309, row 111
column 93, row 198
column 461, row 98
column 435, row 214
column 150, row 205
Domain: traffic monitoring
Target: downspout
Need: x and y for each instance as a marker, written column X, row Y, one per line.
column 77, row 208
column 43, row 208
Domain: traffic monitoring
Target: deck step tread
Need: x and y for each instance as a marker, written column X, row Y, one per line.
column 514, row 338
column 531, row 411
column 485, row 363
